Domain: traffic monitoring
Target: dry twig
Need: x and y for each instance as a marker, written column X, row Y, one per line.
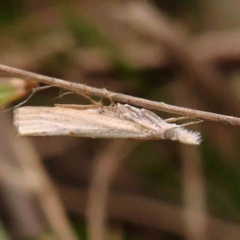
column 104, row 169
column 80, row 88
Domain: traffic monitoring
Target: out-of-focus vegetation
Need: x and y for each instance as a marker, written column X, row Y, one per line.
column 158, row 189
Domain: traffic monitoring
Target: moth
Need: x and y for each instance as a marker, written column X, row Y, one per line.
column 98, row 121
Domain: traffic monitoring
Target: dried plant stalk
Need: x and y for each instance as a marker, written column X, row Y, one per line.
column 80, row 89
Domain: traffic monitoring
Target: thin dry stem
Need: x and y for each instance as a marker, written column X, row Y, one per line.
column 118, row 97
column 193, row 194
column 104, row 169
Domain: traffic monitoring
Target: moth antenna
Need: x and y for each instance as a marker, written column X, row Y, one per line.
column 105, row 91
column 191, row 123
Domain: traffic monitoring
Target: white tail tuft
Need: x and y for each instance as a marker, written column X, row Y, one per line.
column 188, row 137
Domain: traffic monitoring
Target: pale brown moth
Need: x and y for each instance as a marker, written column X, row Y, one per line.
column 98, row 121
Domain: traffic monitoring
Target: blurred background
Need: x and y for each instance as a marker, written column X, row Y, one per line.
column 181, row 52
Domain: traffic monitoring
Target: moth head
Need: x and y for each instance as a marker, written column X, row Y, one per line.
column 171, row 134
column 183, row 135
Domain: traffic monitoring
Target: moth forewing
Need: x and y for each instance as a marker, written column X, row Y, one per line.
column 162, row 128
column 118, row 121
column 56, row 121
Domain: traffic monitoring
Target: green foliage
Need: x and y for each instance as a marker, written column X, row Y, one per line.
column 3, row 233
column 80, row 228
column 7, row 94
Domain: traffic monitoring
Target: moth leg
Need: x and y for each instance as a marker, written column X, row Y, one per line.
column 105, row 91
column 76, row 106
column 191, row 123
column 63, row 94
column 87, row 96
column 98, row 104
column 169, row 120
column 34, row 90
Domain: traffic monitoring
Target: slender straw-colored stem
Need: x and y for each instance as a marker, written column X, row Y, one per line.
column 83, row 89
